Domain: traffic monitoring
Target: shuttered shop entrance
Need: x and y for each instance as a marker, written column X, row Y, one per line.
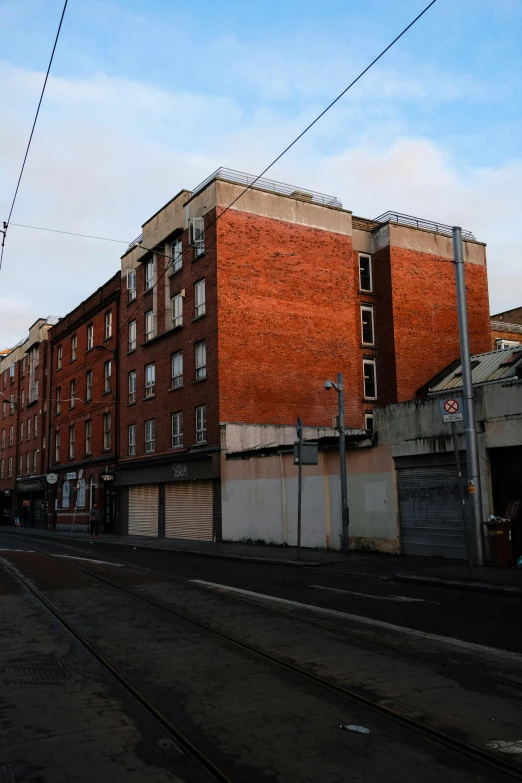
column 430, row 511
column 143, row 510
column 188, row 510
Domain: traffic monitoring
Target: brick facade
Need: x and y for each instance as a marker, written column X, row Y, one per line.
column 82, row 344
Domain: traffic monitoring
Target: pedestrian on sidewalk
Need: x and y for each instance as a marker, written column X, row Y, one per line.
column 94, row 520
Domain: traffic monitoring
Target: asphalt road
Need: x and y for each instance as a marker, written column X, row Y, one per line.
column 470, row 617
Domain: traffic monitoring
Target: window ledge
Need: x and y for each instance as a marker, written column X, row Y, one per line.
column 131, row 301
column 131, row 403
column 173, row 272
column 199, row 317
column 370, row 399
column 177, row 448
column 366, row 293
column 106, row 450
column 106, row 392
column 87, row 454
column 106, row 339
column 146, row 399
column 148, row 290
column 72, row 361
column 199, row 255
column 196, row 445
column 89, row 349
column 200, row 380
column 175, row 388
column 86, row 401
column 158, row 337
column 132, row 350
column 371, row 346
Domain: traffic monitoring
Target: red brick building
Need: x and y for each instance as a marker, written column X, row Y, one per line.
column 240, row 314
column 83, row 409
column 24, row 392
column 506, row 329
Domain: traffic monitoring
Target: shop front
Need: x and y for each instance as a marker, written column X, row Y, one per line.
column 176, row 499
column 32, row 502
column 6, row 507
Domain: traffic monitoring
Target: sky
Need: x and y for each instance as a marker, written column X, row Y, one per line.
column 145, row 99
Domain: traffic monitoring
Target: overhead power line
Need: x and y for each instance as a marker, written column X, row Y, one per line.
column 6, row 223
column 169, row 258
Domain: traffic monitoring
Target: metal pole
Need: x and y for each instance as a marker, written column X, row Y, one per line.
column 299, row 493
column 461, row 495
column 469, row 412
column 345, row 515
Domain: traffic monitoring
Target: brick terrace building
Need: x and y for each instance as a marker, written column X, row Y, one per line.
column 506, row 329
column 24, row 390
column 83, row 418
column 242, row 320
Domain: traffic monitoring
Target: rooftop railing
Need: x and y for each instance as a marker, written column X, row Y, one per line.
column 426, row 225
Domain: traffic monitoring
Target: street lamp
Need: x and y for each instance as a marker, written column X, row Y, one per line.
column 345, row 514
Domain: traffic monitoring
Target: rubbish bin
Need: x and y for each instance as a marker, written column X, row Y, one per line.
column 500, row 544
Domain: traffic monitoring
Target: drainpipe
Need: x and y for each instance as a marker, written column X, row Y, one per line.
column 283, row 496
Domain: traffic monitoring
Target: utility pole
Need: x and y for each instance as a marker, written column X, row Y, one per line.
column 345, row 514
column 472, row 457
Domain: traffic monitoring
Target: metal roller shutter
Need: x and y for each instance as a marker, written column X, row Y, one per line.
column 143, row 510
column 188, row 510
column 430, row 512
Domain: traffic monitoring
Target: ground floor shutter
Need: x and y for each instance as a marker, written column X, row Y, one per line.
column 143, row 510
column 430, row 511
column 188, row 510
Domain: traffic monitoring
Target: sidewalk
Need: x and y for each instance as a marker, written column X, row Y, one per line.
column 404, row 568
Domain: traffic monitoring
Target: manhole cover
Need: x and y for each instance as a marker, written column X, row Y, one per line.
column 31, row 674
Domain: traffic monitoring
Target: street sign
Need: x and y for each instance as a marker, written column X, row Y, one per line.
column 452, row 410
column 52, row 478
column 70, row 476
column 80, row 473
column 299, row 428
column 309, row 455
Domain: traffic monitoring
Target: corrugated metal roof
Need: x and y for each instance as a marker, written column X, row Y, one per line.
column 487, row 367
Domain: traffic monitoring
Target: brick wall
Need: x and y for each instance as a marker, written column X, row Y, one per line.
column 287, row 321
column 504, row 335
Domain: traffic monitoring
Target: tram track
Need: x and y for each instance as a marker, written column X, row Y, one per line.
column 460, row 746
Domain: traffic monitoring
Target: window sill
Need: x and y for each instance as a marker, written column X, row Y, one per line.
column 366, row 293
column 87, row 454
column 371, row 346
column 370, row 399
column 106, row 339
column 199, row 255
column 200, row 380
column 131, row 350
column 72, row 361
column 177, row 449
column 158, row 337
column 148, row 290
column 86, row 401
column 175, row 388
column 201, row 443
column 131, row 301
column 199, row 317
column 109, row 391
column 150, row 452
column 173, row 272
column 129, row 404
column 104, row 451
column 89, row 349
column 152, row 397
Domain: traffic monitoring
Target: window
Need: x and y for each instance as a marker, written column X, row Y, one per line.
column 108, row 324
column 21, row 431
column 201, row 424
column 199, row 298
column 3, row 439
column 132, row 386
column 27, row 464
column 1, row 469
column 132, row 336
column 20, row 465
column 200, row 350
column 177, row 369
column 368, row 422
column 23, row 366
column 132, row 440
column 131, row 284
column 33, row 392
column 88, row 386
column 35, row 428
column 12, row 372
column 72, row 401
column 150, row 436
column 150, row 380
column 177, row 255
column 57, row 446
column 106, row 431
column 365, row 273
column 10, row 467
column 74, row 346
column 4, row 405
column 72, row 436
column 11, row 435
column 58, row 399
column 198, row 235
column 12, row 404
column 28, row 429
column 370, row 379
column 90, row 337
column 59, row 357
column 35, row 460
column 177, row 310
column 107, row 372
column 23, row 398
column 149, row 275
column 88, row 436
column 177, row 430
column 501, row 345
column 368, row 336
column 149, row 325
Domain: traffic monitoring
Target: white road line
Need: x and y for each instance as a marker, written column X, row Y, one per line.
column 366, row 620
column 91, row 560
column 402, row 598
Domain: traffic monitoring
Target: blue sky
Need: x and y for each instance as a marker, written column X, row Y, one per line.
column 147, row 98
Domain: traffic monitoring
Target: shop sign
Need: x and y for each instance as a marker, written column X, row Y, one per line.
column 66, row 494
column 106, row 477
column 180, row 470
column 52, row 478
column 70, row 476
column 31, row 486
column 26, row 503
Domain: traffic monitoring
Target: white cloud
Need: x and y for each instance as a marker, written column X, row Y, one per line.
column 108, row 152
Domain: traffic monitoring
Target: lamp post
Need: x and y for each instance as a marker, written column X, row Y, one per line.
column 345, row 513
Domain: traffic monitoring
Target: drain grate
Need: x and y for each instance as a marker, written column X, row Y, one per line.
column 32, row 674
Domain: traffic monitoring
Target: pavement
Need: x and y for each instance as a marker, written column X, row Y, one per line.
column 434, row 571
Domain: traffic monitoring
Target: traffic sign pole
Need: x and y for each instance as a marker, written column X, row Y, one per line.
column 469, row 412
column 462, row 497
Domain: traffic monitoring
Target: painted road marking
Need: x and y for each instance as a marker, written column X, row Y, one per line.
column 5, row 549
column 403, row 598
column 361, row 619
column 505, row 747
column 91, row 560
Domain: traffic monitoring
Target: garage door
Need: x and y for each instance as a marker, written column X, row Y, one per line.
column 430, row 512
column 188, row 510
column 143, row 510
